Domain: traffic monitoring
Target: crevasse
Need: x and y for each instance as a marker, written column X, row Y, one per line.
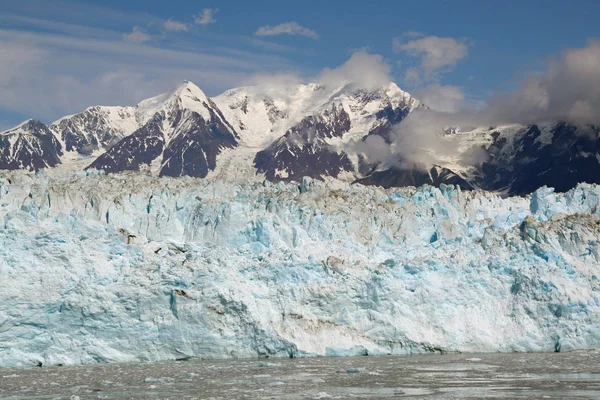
column 126, row 267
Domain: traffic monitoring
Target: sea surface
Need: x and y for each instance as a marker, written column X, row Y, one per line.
column 573, row 375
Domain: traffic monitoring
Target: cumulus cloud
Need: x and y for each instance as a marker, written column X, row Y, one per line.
column 568, row 90
column 137, row 36
column 369, row 71
column 175, row 26
column 274, row 80
column 362, row 70
column 287, row 28
column 419, row 141
column 435, row 54
column 207, row 16
column 445, row 98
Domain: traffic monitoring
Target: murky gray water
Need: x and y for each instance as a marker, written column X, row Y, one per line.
column 455, row 376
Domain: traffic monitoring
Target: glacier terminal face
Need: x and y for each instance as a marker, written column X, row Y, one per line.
column 128, row 267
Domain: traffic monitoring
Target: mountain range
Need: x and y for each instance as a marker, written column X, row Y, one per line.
column 285, row 133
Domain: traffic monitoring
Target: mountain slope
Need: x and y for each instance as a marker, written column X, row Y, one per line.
column 304, row 150
column 295, row 132
column 95, row 129
column 285, row 132
column 263, row 114
column 31, row 146
column 416, row 176
column 558, row 155
column 518, row 160
column 186, row 128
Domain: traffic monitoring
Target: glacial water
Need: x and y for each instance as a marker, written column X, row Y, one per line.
column 450, row 376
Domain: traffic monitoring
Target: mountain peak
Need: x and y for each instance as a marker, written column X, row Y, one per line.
column 189, row 89
column 187, row 96
column 27, row 126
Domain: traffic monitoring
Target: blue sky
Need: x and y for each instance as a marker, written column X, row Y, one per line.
column 61, row 56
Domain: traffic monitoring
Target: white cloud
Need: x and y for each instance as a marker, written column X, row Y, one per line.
column 418, row 142
column 436, row 54
column 275, row 80
column 207, row 16
column 288, row 28
column 567, row 90
column 175, row 26
column 365, row 70
column 48, row 75
column 137, row 36
column 412, row 76
column 444, row 98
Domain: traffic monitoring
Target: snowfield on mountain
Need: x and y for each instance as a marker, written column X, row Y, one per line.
column 128, row 267
column 285, row 132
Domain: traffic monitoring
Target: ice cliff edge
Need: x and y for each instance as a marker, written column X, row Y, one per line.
column 127, row 267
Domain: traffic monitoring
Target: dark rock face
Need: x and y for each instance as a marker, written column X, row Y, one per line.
column 139, row 148
column 387, row 118
column 192, row 151
column 31, row 146
column 558, row 156
column 414, row 177
column 303, row 150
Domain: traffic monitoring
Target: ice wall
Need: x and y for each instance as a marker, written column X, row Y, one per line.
column 128, row 267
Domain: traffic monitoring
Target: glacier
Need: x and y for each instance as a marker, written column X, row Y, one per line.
column 128, row 267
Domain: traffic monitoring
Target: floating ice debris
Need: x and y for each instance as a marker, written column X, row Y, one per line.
column 158, row 380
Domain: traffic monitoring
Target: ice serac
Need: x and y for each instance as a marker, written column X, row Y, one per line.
column 128, row 267
column 185, row 132
column 30, row 146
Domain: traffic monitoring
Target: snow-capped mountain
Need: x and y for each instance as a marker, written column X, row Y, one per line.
column 435, row 176
column 262, row 115
column 95, row 129
column 184, row 133
column 524, row 158
column 31, row 145
column 518, row 160
column 285, row 132
column 188, row 133
column 303, row 130
column 304, row 150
